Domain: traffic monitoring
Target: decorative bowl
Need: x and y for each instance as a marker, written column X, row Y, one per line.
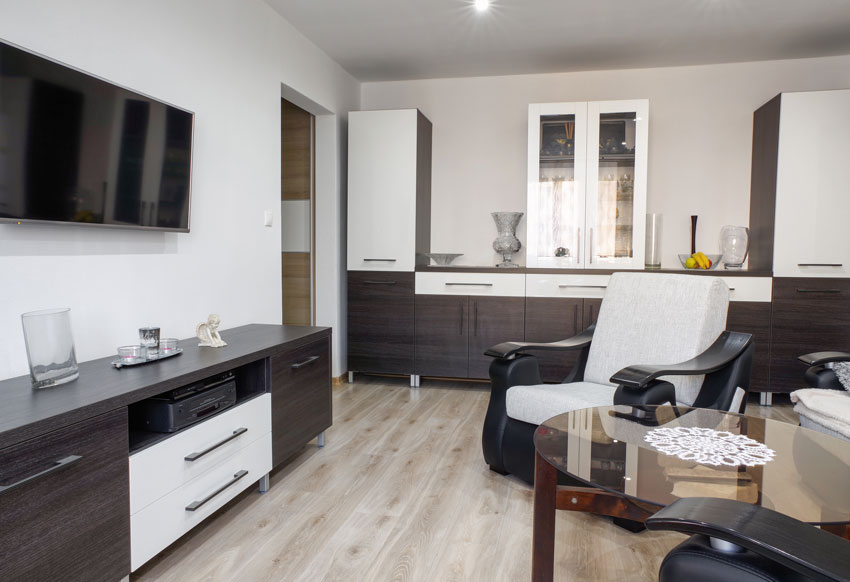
column 715, row 260
column 443, row 259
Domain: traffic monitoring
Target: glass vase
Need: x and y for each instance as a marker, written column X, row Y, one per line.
column 50, row 347
column 506, row 243
column 734, row 244
column 652, row 256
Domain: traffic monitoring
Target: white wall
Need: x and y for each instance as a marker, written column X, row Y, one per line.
column 700, row 140
column 225, row 60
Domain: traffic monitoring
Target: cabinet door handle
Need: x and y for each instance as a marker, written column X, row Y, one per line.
column 380, row 282
column 583, row 286
column 475, row 333
column 306, row 362
column 379, row 260
column 469, row 284
column 820, row 265
column 60, row 464
column 818, row 290
column 195, row 456
column 195, row 505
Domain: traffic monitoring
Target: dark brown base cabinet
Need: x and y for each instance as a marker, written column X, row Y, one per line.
column 550, row 319
column 71, row 523
column 380, row 322
column 754, row 317
column 809, row 315
column 453, row 331
column 301, row 397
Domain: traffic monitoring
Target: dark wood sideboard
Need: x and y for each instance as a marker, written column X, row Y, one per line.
column 64, row 451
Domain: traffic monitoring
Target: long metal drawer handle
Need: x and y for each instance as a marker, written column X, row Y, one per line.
column 198, row 504
column 306, row 362
column 60, row 464
column 818, row 290
column 195, row 456
column 379, row 260
column 820, row 265
column 380, row 282
column 584, row 286
column 471, row 284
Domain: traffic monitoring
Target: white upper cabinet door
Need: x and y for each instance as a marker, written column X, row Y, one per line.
column 557, row 160
column 382, row 157
column 617, row 138
column 812, row 186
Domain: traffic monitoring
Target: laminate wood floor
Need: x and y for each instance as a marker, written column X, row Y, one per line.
column 401, row 493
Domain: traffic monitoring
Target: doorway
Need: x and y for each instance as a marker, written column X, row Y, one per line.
column 297, row 210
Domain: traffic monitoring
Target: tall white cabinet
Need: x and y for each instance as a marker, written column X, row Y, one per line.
column 389, row 190
column 812, row 185
column 586, row 203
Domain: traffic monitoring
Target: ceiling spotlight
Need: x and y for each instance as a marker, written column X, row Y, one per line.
column 482, row 5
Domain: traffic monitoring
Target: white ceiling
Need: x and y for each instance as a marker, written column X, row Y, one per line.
column 377, row 40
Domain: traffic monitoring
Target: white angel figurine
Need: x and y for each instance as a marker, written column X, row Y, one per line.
column 207, row 332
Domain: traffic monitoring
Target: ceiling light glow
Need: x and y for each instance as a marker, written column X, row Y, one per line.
column 482, row 5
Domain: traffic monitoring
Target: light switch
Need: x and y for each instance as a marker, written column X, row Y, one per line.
column 267, row 218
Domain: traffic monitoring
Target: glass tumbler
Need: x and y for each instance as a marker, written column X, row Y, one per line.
column 50, row 347
column 734, row 244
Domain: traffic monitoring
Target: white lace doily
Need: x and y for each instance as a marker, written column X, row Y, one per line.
column 709, row 447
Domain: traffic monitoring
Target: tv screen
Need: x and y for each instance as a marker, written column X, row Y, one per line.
column 74, row 148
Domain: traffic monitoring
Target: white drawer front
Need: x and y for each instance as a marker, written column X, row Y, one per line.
column 557, row 285
column 496, row 284
column 156, row 526
column 749, row 288
column 159, row 469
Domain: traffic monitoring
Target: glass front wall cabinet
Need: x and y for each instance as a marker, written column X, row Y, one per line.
column 587, row 184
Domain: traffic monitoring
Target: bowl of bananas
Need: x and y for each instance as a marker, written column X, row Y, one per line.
column 700, row 261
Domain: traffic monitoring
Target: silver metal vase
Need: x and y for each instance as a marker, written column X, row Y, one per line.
column 506, row 243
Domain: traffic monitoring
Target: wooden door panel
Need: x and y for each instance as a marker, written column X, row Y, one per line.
column 549, row 319
column 441, row 336
column 492, row 320
column 809, row 315
column 380, row 322
column 754, row 317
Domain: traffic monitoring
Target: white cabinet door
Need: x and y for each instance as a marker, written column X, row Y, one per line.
column 557, row 160
column 382, row 190
column 617, row 138
column 812, row 187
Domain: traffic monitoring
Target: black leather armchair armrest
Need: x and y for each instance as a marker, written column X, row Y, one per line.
column 728, row 346
column 508, row 349
column 821, row 358
column 807, row 550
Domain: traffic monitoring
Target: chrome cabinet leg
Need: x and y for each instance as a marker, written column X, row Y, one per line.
column 766, row 398
column 265, row 483
column 351, row 377
column 320, row 440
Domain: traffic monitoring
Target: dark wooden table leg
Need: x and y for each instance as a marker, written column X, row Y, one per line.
column 543, row 545
column 842, row 531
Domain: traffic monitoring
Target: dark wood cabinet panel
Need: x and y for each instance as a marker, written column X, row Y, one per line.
column 442, row 325
column 492, row 320
column 809, row 315
column 71, row 523
column 301, row 397
column 380, row 322
column 549, row 319
column 754, row 317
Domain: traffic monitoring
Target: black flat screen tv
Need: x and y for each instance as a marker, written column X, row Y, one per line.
column 77, row 149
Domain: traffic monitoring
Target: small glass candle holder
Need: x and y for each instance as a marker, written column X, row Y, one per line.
column 129, row 354
column 149, row 338
column 167, row 345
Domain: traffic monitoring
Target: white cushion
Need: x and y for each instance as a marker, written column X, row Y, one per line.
column 654, row 318
column 535, row 404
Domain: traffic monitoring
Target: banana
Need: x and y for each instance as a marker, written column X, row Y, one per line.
column 702, row 260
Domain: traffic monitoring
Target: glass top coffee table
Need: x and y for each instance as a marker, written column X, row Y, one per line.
column 635, row 466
